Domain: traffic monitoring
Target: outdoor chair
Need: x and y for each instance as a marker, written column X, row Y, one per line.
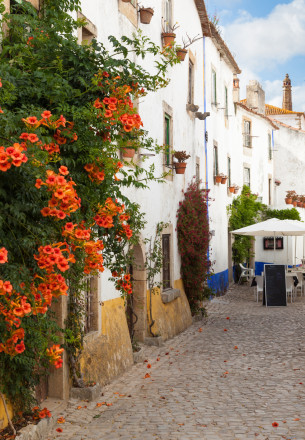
column 290, row 289
column 259, row 286
column 245, row 273
column 301, row 283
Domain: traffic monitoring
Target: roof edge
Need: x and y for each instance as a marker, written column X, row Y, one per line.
column 203, row 16
column 223, row 49
column 257, row 114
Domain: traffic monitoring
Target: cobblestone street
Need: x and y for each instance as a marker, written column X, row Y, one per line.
column 231, row 376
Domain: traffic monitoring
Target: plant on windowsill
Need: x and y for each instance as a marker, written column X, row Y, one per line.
column 168, row 36
column 181, row 51
column 146, row 15
column 289, row 196
column 180, row 166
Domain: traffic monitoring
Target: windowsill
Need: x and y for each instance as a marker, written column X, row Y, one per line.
column 170, row 295
column 130, row 12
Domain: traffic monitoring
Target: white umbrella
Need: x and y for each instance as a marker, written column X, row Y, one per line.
column 273, row 226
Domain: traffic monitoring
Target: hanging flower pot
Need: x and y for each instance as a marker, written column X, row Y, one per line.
column 181, row 54
column 232, row 189
column 223, row 180
column 288, row 200
column 146, row 15
column 218, row 179
column 236, row 190
column 168, row 38
column 180, row 167
column 126, row 1
column 128, row 152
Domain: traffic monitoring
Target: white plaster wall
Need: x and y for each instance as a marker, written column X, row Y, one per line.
column 160, row 201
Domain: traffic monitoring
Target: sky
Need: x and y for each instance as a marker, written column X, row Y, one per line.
column 267, row 39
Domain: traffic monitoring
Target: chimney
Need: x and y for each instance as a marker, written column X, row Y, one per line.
column 256, row 97
column 287, row 97
column 235, row 88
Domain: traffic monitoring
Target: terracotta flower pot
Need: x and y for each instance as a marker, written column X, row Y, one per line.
column 294, row 203
column 128, row 152
column 126, row 1
column 181, row 54
column 288, row 200
column 180, row 167
column 168, row 38
column 236, row 191
column 223, row 180
column 218, row 179
column 232, row 189
column 146, row 15
column 300, row 204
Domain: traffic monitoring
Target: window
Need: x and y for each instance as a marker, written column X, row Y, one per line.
column 247, row 134
column 269, row 243
column 87, row 32
column 229, row 171
column 190, row 99
column 91, row 304
column 168, row 20
column 214, row 88
column 269, row 147
column 247, row 176
column 226, row 103
column 167, row 139
column 215, row 160
column 166, row 261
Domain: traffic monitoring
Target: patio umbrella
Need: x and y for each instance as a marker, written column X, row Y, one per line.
column 275, row 227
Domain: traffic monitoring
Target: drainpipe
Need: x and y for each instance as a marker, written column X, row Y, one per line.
column 204, row 135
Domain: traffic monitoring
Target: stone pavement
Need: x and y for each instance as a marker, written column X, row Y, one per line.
column 222, row 379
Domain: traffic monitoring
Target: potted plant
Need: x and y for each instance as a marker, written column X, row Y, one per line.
column 126, row 1
column 218, row 178
column 289, row 196
column 236, row 189
column 232, row 188
column 302, row 200
column 295, row 199
column 223, row 179
column 168, row 35
column 181, row 51
column 146, row 15
column 180, row 166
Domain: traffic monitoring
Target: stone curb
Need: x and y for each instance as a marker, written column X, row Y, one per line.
column 39, row 431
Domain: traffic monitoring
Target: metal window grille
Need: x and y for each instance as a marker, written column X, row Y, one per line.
column 166, row 261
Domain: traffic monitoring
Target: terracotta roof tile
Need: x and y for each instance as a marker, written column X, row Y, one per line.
column 242, row 105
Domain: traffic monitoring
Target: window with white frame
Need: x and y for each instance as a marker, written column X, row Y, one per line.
column 247, row 133
column 247, row 176
column 269, row 146
column 168, row 19
column 214, row 87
